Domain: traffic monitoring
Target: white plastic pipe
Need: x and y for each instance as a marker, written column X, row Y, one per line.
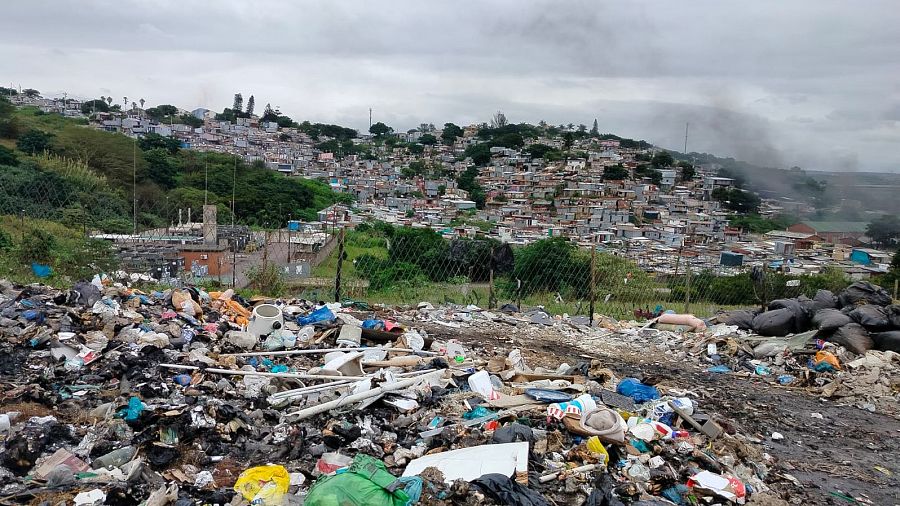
column 350, row 399
column 314, row 352
column 288, row 375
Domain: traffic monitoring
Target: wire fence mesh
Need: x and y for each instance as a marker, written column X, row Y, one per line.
column 84, row 230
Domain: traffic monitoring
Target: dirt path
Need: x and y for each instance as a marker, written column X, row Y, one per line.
column 847, row 451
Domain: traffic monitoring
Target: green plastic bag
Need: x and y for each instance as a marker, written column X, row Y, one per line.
column 366, row 483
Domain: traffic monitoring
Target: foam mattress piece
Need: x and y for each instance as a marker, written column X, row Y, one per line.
column 474, row 462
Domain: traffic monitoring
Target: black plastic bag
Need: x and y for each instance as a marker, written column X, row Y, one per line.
column 887, row 341
column 871, row 317
column 603, row 493
column 893, row 314
column 824, row 299
column 513, row 433
column 503, row 489
column 854, row 337
column 863, row 291
column 800, row 308
column 778, row 322
column 829, row 320
column 742, row 318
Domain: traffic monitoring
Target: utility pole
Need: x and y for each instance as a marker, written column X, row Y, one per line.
column 686, row 125
column 370, row 117
column 233, row 232
column 134, row 185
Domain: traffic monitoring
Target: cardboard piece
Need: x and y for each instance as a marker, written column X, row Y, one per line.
column 61, row 457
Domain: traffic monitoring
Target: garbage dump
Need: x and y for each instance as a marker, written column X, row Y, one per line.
column 117, row 395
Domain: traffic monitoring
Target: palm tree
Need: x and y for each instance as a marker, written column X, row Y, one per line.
column 142, row 103
column 133, row 106
column 102, row 98
column 124, row 102
column 109, row 100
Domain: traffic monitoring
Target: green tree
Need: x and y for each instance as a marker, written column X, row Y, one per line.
column 8, row 157
column 269, row 114
column 161, row 168
column 467, row 181
column 737, row 200
column 450, row 133
column 154, row 141
column 541, row 151
column 662, row 160
column 568, row 140
column 428, row 140
column 36, row 246
column 884, row 230
column 479, row 153
column 95, row 105
column 595, row 129
column 380, row 130
column 687, row 171
column 615, row 173
column 251, row 104
column 9, row 124
column 161, row 112
column 190, row 120
column 417, row 168
column 552, row 265
column 35, row 141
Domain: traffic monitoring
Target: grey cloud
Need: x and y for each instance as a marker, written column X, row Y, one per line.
column 774, row 82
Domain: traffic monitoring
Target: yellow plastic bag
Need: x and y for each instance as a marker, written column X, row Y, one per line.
column 251, row 481
column 594, row 445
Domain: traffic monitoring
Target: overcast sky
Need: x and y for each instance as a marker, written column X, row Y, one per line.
column 804, row 82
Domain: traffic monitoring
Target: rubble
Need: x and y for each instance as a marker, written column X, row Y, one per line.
column 114, row 395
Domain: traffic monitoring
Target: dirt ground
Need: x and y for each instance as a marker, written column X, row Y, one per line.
column 846, row 452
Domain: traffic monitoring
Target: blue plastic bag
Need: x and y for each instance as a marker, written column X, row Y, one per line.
column 323, row 314
column 638, row 391
column 134, row 409
column 373, row 324
column 41, row 270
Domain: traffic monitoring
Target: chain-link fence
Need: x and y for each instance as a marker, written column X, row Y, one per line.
column 60, row 222
column 407, row 265
column 80, row 229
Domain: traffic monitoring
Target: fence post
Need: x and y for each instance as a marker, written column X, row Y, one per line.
column 593, row 283
column 340, row 263
column 687, row 291
column 491, row 281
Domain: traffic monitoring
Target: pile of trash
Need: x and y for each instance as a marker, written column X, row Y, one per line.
column 815, row 346
column 114, row 395
column 860, row 318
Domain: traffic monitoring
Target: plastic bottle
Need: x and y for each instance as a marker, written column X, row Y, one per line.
column 305, row 335
column 114, row 458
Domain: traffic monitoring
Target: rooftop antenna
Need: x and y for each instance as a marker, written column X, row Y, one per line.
column 370, row 117
column 686, row 125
